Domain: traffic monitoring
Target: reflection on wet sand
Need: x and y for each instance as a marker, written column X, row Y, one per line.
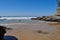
column 29, row 31
column 57, row 25
column 41, row 31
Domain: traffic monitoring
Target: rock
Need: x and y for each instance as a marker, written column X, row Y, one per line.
column 2, row 32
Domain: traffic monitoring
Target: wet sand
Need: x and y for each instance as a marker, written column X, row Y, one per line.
column 29, row 31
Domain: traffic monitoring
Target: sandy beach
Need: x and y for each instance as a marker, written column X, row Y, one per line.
column 29, row 31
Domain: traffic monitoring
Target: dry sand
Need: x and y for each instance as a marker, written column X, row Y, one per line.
column 29, row 31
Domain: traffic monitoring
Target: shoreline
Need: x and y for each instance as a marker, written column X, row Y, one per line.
column 29, row 31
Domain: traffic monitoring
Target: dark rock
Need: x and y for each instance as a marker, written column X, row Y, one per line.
column 2, row 32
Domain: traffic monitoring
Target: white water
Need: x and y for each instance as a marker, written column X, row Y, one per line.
column 17, row 17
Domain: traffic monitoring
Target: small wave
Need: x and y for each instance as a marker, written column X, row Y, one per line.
column 17, row 17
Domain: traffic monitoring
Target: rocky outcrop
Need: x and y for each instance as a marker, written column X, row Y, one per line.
column 37, row 18
column 2, row 32
column 42, row 18
column 58, row 8
column 48, row 18
column 58, row 12
column 54, row 18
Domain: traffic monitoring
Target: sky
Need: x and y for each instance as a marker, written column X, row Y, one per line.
column 27, row 7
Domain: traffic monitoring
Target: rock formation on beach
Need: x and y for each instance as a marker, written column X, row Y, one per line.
column 58, row 8
column 54, row 18
column 2, row 32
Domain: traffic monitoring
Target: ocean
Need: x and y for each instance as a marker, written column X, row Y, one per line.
column 7, row 20
column 4, row 20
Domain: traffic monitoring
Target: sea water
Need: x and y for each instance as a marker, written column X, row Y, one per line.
column 41, row 24
column 17, row 20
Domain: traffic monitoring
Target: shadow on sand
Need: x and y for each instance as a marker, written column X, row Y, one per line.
column 10, row 38
column 41, row 31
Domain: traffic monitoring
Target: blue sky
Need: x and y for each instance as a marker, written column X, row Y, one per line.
column 27, row 7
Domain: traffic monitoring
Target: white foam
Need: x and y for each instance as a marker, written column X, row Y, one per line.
column 17, row 17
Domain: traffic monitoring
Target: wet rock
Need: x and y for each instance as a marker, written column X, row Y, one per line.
column 2, row 32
